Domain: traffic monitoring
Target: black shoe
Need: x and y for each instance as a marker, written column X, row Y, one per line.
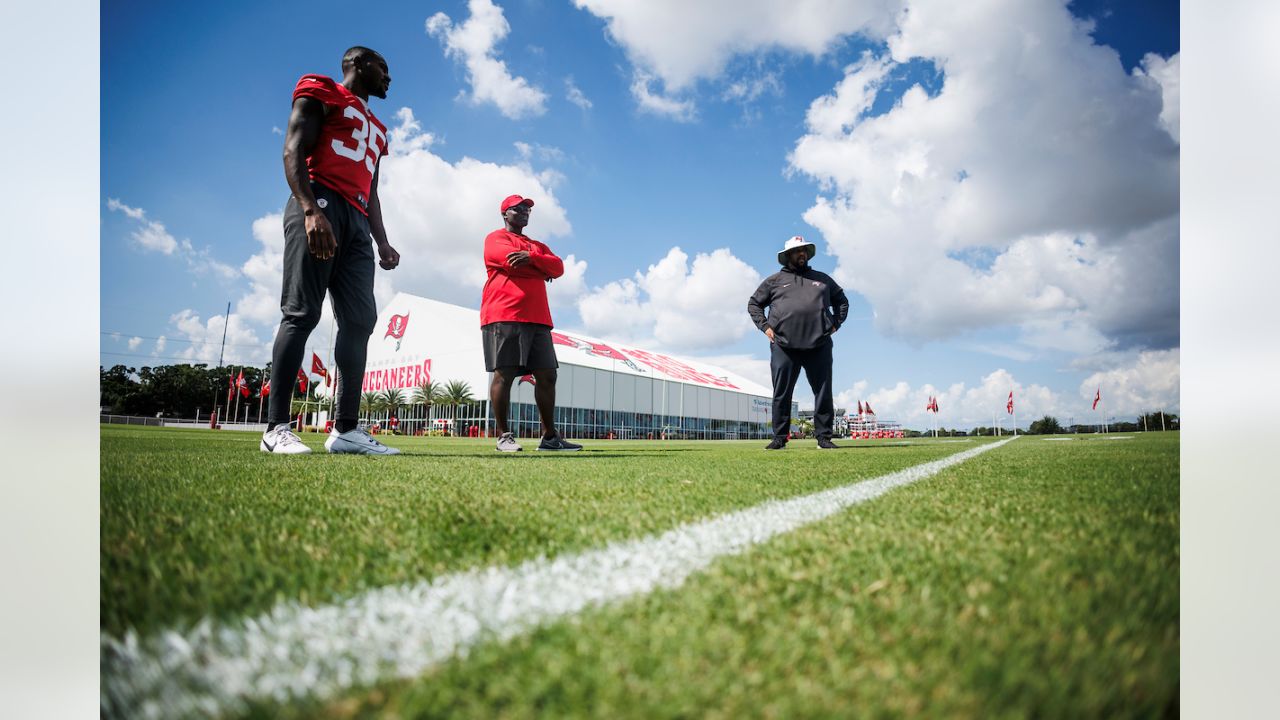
column 826, row 444
column 776, row 445
column 558, row 444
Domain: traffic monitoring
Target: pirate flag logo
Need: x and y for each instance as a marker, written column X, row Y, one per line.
column 396, row 328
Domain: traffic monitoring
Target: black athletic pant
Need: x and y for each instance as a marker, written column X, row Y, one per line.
column 786, row 365
column 348, row 278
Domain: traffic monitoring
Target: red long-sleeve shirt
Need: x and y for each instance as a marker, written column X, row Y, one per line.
column 517, row 294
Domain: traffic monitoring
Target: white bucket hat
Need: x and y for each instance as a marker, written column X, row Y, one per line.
column 793, row 243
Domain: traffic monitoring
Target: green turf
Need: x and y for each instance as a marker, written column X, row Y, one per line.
column 1040, row 579
column 197, row 523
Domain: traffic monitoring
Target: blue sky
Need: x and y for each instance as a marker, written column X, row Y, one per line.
column 997, row 189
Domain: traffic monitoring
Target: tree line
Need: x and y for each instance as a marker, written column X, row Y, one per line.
column 183, row 391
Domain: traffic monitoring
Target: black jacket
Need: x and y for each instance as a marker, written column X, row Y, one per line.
column 804, row 307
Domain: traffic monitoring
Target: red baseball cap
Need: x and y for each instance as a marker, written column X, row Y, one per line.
column 514, row 200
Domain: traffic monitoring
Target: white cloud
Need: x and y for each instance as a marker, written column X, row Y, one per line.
column 205, row 339
column 681, row 42
column 134, row 342
column 474, row 44
column 407, row 136
column 1166, row 74
column 657, row 103
column 275, row 130
column 265, row 271
column 749, row 89
column 1037, row 189
column 1149, row 382
column 160, row 345
column 152, row 235
column 149, row 234
column 674, row 304
column 959, row 405
column 438, row 213
column 563, row 292
column 574, row 94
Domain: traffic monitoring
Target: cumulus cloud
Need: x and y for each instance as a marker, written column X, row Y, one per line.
column 438, row 213
column 1037, row 188
column 204, row 339
column 474, row 44
column 134, row 342
column 1165, row 73
column 1149, row 382
column 161, row 342
column 708, row 34
column 675, row 304
column 959, row 404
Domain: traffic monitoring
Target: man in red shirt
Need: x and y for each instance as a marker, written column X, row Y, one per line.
column 515, row 321
column 331, row 159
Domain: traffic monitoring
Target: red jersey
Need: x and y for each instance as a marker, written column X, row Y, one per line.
column 351, row 140
column 517, row 294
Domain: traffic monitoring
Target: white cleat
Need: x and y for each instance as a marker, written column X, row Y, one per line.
column 507, row 443
column 280, row 440
column 357, row 442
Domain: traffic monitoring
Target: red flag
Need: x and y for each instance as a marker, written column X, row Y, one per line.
column 303, row 383
column 1009, row 406
column 869, row 410
column 1097, row 397
column 859, row 407
column 244, row 386
column 266, row 388
column 318, row 368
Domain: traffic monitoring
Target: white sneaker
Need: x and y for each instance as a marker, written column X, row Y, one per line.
column 507, row 443
column 357, row 442
column 280, row 440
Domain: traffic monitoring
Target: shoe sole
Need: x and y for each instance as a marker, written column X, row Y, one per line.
column 269, row 451
column 516, row 450
column 542, row 449
column 360, row 452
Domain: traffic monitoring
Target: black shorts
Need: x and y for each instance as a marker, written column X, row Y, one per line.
column 520, row 345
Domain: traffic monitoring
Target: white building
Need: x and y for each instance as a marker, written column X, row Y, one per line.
column 605, row 389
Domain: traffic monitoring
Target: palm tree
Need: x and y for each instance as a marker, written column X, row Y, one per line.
column 426, row 395
column 368, row 403
column 455, row 394
column 391, row 400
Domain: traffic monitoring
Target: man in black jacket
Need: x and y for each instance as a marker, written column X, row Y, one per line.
column 805, row 308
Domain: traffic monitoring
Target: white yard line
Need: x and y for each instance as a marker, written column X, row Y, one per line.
column 401, row 631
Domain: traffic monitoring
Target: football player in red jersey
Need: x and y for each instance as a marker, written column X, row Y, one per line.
column 332, row 151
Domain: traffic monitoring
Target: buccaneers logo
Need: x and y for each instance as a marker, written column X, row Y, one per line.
column 396, row 328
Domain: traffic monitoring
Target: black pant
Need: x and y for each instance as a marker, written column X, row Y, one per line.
column 348, row 278
column 786, row 364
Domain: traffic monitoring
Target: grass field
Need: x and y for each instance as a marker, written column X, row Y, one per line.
column 1037, row 579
